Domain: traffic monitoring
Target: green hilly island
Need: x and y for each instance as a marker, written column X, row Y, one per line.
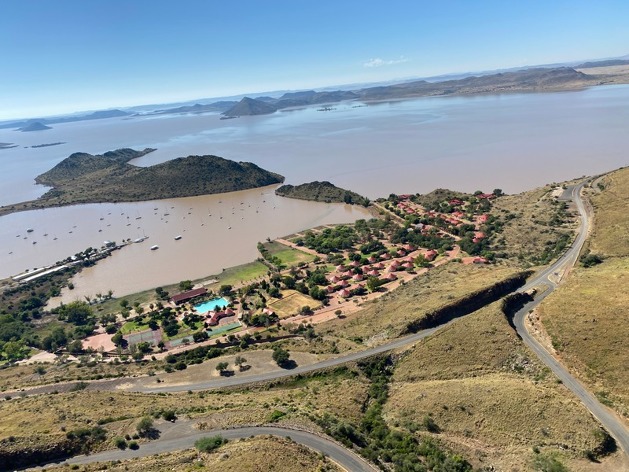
column 87, row 178
column 321, row 192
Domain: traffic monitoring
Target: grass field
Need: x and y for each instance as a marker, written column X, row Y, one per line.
column 291, row 303
column 133, row 327
column 288, row 256
column 611, row 223
column 488, row 396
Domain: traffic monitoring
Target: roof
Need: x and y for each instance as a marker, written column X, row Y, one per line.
column 183, row 296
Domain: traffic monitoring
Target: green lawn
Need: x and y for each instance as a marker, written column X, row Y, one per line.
column 133, row 327
column 287, row 255
column 239, row 274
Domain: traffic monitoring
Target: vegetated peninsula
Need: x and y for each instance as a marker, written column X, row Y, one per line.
column 87, row 178
column 321, row 192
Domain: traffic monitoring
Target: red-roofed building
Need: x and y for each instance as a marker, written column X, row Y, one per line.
column 456, row 202
column 373, row 273
column 345, row 293
column 480, row 260
column 483, row 218
column 391, row 277
column 358, row 277
column 430, row 255
column 189, row 295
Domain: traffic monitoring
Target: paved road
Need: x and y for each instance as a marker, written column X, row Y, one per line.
column 186, row 436
column 550, row 277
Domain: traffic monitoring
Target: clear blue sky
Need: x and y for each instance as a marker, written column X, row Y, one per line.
column 60, row 56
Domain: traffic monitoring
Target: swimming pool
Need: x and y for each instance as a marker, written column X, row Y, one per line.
column 211, row 305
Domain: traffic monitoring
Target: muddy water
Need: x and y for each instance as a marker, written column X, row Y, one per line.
column 218, row 231
column 514, row 142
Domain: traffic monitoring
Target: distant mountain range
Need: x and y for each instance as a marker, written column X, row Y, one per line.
column 97, row 115
column 547, row 77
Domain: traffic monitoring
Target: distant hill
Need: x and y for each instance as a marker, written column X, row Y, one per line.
column 87, row 178
column 608, row 63
column 561, row 78
column 321, row 192
column 198, row 108
column 34, row 126
column 250, row 106
column 97, row 115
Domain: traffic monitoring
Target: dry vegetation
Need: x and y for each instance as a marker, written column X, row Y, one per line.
column 38, row 421
column 257, row 454
column 538, row 223
column 586, row 318
column 488, row 397
column 386, row 317
column 611, row 221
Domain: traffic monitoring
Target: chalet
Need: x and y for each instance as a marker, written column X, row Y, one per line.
column 268, row 311
column 355, row 264
column 408, row 265
column 330, row 289
column 373, row 273
column 391, row 277
column 409, row 247
column 372, row 260
column 341, row 268
column 456, row 202
column 410, row 259
column 480, row 260
column 334, row 279
column 189, row 295
column 485, row 196
column 345, row 293
column 347, row 275
column 378, row 266
column 343, row 284
column 358, row 277
column 395, row 264
column 401, row 253
column 404, row 196
column 430, row 255
column 385, row 256
column 478, row 236
column 483, row 218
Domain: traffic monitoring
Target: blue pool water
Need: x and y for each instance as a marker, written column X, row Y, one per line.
column 211, row 305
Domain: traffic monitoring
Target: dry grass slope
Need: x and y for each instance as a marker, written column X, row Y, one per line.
column 259, row 454
column 611, row 222
column 489, row 396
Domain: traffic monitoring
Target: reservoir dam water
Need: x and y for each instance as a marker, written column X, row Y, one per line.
column 514, row 142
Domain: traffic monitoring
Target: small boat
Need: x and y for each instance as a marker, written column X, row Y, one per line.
column 155, row 247
column 139, row 240
column 29, row 230
column 34, row 242
column 178, row 237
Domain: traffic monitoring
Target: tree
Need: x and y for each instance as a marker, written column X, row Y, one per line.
column 124, row 303
column 117, row 339
column 281, row 356
column 76, row 312
column 239, row 361
column 209, row 444
column 225, row 289
column 221, row 367
column 145, row 426
column 185, row 285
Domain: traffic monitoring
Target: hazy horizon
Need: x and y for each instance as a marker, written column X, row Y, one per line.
column 73, row 56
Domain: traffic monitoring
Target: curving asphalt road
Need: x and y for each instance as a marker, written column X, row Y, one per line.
column 548, row 277
column 608, row 419
column 185, row 436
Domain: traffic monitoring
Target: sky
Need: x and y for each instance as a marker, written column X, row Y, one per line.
column 63, row 56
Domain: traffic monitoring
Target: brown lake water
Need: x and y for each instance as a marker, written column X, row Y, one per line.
column 514, row 142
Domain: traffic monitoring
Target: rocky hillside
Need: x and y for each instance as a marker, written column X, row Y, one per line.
column 321, row 192
column 85, row 178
